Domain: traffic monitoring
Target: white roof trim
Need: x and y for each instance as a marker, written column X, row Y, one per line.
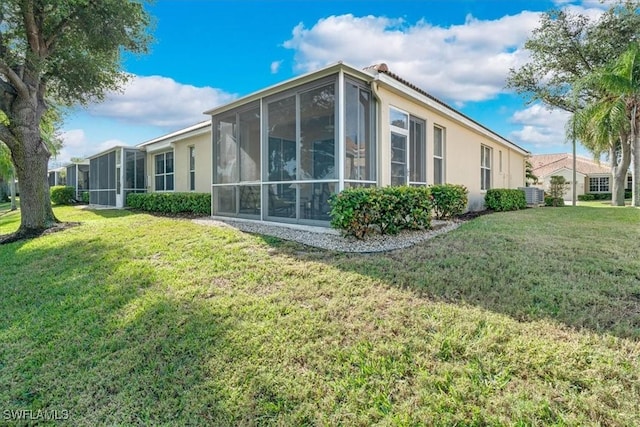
column 114, row 148
column 447, row 111
column 291, row 83
column 159, row 146
column 178, row 135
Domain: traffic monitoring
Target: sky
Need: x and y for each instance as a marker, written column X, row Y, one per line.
column 207, row 53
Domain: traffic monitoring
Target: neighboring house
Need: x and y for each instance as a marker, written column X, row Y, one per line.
column 591, row 177
column 78, row 177
column 180, row 161
column 280, row 153
column 57, row 176
column 114, row 173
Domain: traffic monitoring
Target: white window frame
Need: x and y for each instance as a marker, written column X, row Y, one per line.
column 484, row 168
column 441, row 157
column 403, row 132
column 192, row 168
column 601, row 183
column 165, row 173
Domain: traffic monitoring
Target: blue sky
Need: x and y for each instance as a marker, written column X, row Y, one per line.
column 209, row 52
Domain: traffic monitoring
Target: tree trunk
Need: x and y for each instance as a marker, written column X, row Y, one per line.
column 619, row 173
column 635, row 171
column 31, row 159
column 12, row 187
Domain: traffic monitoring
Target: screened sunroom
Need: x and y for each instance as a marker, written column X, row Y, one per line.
column 282, row 153
column 78, row 177
column 115, row 173
column 57, row 176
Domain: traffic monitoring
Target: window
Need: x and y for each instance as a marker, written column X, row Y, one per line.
column 164, row 171
column 485, row 167
column 500, row 161
column 360, row 148
column 438, row 155
column 399, row 122
column 599, row 184
column 417, row 152
column 629, row 182
column 192, row 168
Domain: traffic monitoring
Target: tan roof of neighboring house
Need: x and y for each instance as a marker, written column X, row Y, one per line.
column 545, row 164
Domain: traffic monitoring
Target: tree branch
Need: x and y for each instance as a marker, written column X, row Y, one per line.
column 14, row 79
column 7, row 137
column 31, row 27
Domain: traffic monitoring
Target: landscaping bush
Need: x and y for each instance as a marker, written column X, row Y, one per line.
column 352, row 211
column 586, row 197
column 85, row 197
column 504, row 199
column 173, row 203
column 553, row 201
column 357, row 211
column 62, row 194
column 449, row 200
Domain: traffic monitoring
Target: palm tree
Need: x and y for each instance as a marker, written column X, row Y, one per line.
column 603, row 128
column 620, row 84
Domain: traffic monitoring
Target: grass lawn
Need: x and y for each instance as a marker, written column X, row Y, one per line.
column 525, row 318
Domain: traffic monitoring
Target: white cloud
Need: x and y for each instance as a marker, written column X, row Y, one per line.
column 540, row 128
column 76, row 144
column 160, row 101
column 275, row 67
column 467, row 62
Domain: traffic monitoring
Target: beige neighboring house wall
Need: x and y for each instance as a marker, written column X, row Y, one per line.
column 179, row 144
column 567, row 174
column 547, row 165
column 463, row 141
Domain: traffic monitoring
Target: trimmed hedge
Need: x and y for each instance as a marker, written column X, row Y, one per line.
column 85, row 197
column 358, row 211
column 505, row 199
column 196, row 203
column 601, row 196
column 550, row 201
column 62, row 194
column 449, row 200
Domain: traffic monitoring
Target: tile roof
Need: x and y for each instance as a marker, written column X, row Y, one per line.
column 545, row 164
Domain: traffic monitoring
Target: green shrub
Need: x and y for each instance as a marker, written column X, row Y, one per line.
column 586, row 197
column 85, row 197
column 449, row 200
column 628, row 194
column 352, row 211
column 504, row 199
column 62, row 194
column 553, row 201
column 358, row 211
column 195, row 203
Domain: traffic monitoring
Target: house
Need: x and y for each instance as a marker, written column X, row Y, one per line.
column 180, row 161
column 114, row 173
column 280, row 153
column 591, row 177
column 57, row 176
column 78, row 177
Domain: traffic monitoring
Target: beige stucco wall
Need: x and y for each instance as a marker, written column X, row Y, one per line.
column 462, row 150
column 581, row 180
column 202, row 145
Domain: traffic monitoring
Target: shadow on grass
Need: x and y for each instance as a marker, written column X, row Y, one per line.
column 579, row 268
column 93, row 329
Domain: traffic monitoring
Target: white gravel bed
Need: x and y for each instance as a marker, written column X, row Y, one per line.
column 327, row 238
